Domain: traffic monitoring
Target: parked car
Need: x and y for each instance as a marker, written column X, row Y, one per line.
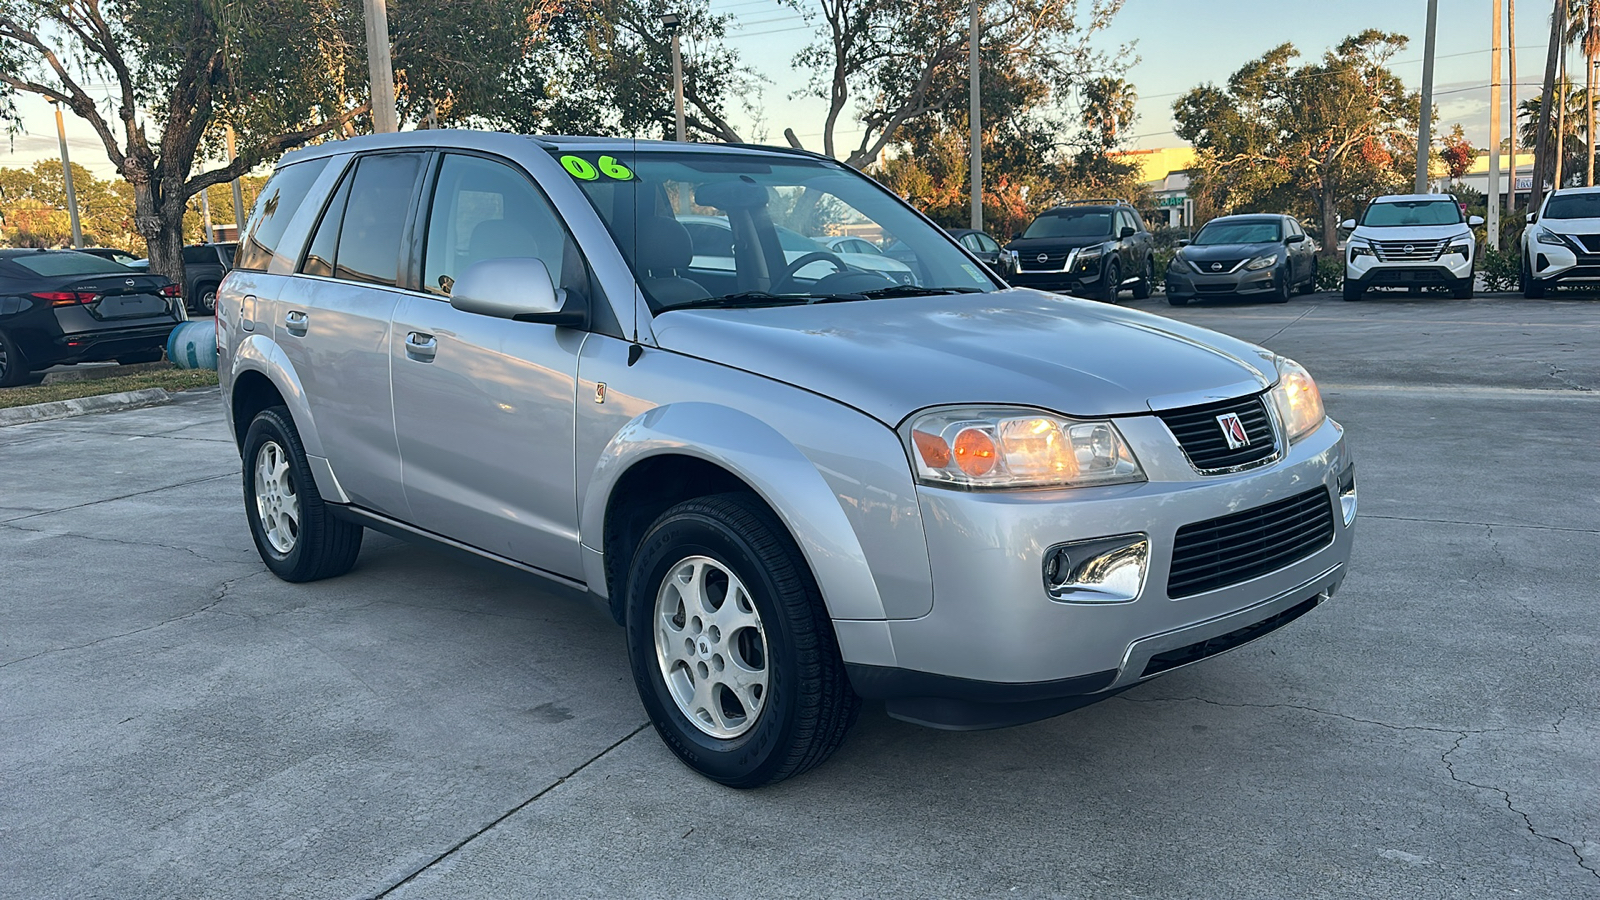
column 120, row 257
column 204, row 265
column 1262, row 255
column 59, row 307
column 1413, row 241
column 985, row 248
column 1561, row 244
column 714, row 253
column 794, row 485
column 1091, row 248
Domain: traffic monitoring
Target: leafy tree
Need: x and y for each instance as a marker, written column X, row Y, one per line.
column 891, row 62
column 1310, row 138
column 1458, row 153
column 33, row 208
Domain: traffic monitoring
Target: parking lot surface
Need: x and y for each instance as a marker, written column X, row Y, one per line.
column 176, row 722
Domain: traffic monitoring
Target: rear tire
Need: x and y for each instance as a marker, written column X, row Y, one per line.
column 1142, row 287
column 13, row 367
column 295, row 532
column 1353, row 290
column 1309, row 286
column 205, row 303
column 731, row 647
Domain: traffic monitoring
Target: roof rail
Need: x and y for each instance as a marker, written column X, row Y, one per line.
column 1102, row 201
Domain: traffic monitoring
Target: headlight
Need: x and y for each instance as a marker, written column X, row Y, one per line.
column 1088, row 256
column 1359, row 250
column 1545, row 236
column 1262, row 262
column 988, row 447
column 1297, row 399
column 1463, row 248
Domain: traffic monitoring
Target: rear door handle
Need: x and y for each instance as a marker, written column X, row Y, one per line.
column 421, row 347
column 296, row 321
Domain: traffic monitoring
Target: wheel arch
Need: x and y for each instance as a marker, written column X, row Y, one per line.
column 679, row 451
column 262, row 376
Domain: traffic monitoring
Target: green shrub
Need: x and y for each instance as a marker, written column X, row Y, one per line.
column 1499, row 269
column 1330, row 273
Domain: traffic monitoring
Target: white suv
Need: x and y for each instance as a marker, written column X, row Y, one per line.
column 1412, row 241
column 1562, row 241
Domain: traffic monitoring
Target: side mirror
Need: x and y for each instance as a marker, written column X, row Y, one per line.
column 1474, row 221
column 516, row 288
column 1184, row 242
column 1294, row 239
column 1348, row 223
column 1533, row 217
column 1127, row 232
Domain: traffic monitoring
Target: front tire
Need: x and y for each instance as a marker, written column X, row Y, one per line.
column 295, row 532
column 1110, row 283
column 1462, row 290
column 1532, row 288
column 1353, row 290
column 732, row 650
column 1280, row 290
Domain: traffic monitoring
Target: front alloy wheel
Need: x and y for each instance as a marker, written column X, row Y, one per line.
column 711, row 647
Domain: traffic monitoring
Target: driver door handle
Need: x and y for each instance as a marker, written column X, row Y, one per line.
column 421, row 347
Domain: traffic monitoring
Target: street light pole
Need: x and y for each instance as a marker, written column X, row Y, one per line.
column 975, row 122
column 380, row 69
column 1424, row 138
column 66, row 173
column 672, row 22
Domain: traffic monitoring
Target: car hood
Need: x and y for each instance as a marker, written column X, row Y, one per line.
column 1055, row 244
column 892, row 357
column 1410, row 232
column 1571, row 226
column 1231, row 252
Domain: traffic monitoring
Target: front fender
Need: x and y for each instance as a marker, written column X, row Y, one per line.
column 260, row 353
column 766, row 461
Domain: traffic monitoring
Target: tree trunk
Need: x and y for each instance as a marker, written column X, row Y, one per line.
column 1588, row 96
column 163, row 234
column 1542, row 149
column 1329, row 211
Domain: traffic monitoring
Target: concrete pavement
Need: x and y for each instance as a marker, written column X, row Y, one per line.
column 175, row 722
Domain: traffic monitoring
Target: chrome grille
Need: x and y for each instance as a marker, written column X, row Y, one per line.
column 1589, row 243
column 1409, row 251
column 1215, row 266
column 1054, row 261
column 1235, row 548
column 1205, row 443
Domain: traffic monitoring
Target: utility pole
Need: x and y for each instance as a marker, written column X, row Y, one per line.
column 1424, row 138
column 66, row 173
column 1494, row 126
column 238, row 194
column 1511, row 133
column 672, row 22
column 1541, row 149
column 380, row 69
column 975, row 123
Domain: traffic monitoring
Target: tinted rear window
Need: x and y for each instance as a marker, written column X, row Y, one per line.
column 275, row 208
column 68, row 262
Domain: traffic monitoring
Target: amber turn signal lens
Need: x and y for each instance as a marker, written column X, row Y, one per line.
column 975, row 452
column 935, row 452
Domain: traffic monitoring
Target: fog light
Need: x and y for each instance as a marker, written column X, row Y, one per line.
column 1101, row 570
column 1347, row 493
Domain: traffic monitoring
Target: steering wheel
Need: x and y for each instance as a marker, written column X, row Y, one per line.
column 788, row 273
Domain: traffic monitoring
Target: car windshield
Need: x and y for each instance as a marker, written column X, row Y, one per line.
column 739, row 229
column 1397, row 213
column 67, row 262
column 1573, row 206
column 1071, row 223
column 1239, row 233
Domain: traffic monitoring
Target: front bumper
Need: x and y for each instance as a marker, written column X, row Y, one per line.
column 1449, row 270
column 997, row 650
column 1561, row 263
column 1079, row 278
column 1181, row 283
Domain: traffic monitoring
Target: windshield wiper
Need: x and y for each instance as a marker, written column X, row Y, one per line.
column 742, row 298
column 915, row 290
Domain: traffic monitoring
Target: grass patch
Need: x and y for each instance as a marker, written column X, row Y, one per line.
column 168, row 379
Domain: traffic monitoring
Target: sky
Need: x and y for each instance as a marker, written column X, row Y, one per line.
column 1179, row 44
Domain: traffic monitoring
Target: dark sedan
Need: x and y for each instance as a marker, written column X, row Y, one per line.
column 983, row 247
column 61, row 306
column 1268, row 256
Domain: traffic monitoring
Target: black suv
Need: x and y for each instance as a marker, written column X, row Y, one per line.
column 1091, row 248
column 203, row 268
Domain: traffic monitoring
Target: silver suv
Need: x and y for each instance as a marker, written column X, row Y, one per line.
column 794, row 481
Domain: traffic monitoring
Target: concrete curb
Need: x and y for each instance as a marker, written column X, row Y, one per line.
column 82, row 406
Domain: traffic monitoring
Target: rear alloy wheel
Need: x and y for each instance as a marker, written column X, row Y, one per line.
column 1141, row 288
column 296, row 534
column 731, row 647
column 13, row 368
column 1110, row 284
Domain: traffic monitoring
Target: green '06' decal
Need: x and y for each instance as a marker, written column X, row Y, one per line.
column 584, row 170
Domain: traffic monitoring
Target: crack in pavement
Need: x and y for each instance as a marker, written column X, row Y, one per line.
column 1506, row 796
column 124, row 542
column 1296, row 321
column 1560, row 528
column 1527, row 607
column 218, row 594
column 1313, row 709
column 508, row 814
column 156, row 490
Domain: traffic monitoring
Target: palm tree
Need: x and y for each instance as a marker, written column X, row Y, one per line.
column 1583, row 30
column 1574, row 139
column 1108, row 105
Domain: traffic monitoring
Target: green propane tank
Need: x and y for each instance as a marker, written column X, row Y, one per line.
column 193, row 345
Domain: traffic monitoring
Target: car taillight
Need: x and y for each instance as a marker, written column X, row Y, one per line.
column 172, row 290
column 66, row 298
